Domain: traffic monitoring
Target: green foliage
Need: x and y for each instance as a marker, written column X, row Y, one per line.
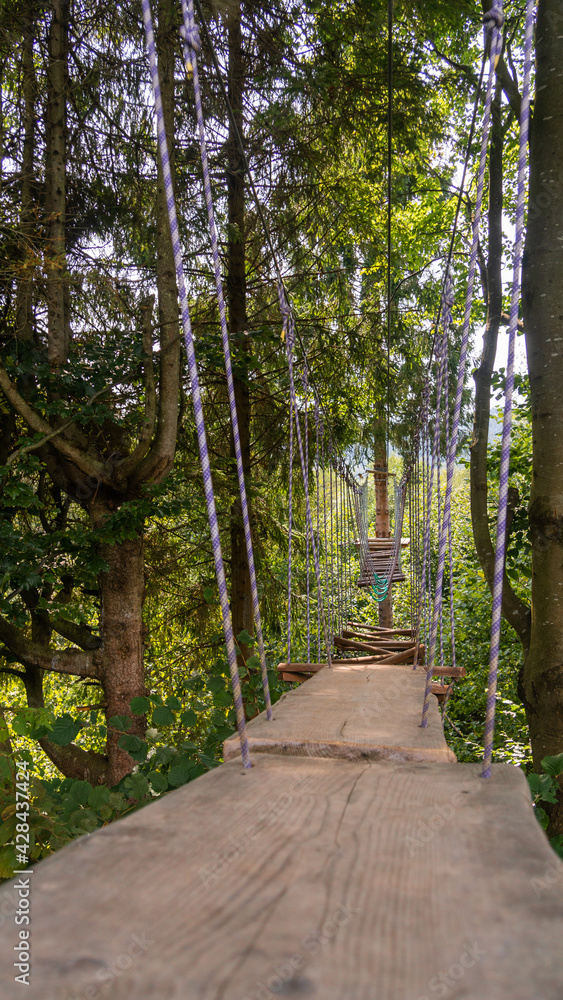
column 545, row 787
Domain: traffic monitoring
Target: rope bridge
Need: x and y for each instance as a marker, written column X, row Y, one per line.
column 349, row 857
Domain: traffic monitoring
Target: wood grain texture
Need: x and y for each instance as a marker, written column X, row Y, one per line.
column 355, row 712
column 303, row 877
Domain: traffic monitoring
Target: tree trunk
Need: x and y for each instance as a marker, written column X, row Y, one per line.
column 121, row 629
column 542, row 675
column 159, row 460
column 55, row 184
column 515, row 611
column 241, row 598
column 24, row 326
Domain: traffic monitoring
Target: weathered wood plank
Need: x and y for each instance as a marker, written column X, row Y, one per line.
column 356, row 712
column 313, row 878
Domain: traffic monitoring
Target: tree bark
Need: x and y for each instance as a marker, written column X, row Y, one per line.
column 515, row 611
column 55, row 181
column 241, row 598
column 158, row 461
column 542, row 676
column 121, row 627
column 24, row 294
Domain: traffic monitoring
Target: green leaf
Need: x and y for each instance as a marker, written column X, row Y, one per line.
column 32, row 722
column 7, row 767
column 135, row 746
column 557, row 844
column 80, row 791
column 542, row 817
column 179, row 774
column 542, row 787
column 162, row 716
column 208, row 595
column 553, row 765
column 8, row 862
column 158, row 781
column 245, row 638
column 140, row 706
column 223, row 733
column 188, row 718
column 223, row 699
column 173, row 702
column 98, row 797
column 253, row 662
column 136, row 786
column 64, row 730
column 120, row 722
column 215, row 683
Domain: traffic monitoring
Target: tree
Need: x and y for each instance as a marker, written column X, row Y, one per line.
column 542, row 675
column 85, row 441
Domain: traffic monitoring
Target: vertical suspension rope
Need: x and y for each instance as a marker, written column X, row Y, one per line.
column 493, row 43
column 290, row 533
column 442, row 360
column 317, row 489
column 500, row 552
column 195, row 387
column 192, row 45
column 307, row 532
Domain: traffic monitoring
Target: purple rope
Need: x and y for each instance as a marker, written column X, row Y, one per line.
column 289, row 328
column 500, row 552
column 192, row 45
column 290, row 532
column 195, row 388
column 425, row 560
column 442, row 360
column 308, row 540
column 325, row 531
column 493, row 22
column 317, row 482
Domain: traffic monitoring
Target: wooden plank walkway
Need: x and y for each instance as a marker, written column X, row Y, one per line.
column 305, row 877
column 358, row 712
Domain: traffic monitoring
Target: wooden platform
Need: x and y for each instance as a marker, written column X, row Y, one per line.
column 354, row 712
column 310, row 878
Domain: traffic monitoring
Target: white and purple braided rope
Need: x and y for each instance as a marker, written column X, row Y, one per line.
column 192, row 45
column 442, row 360
column 500, row 552
column 493, row 22
column 195, row 388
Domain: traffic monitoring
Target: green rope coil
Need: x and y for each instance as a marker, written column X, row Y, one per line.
column 380, row 588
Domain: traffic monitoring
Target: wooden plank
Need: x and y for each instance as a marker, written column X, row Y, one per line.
column 379, row 630
column 351, row 659
column 356, row 644
column 456, row 672
column 322, row 879
column 355, row 712
column 384, row 641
